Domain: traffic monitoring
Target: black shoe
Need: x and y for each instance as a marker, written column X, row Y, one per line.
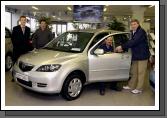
column 102, row 92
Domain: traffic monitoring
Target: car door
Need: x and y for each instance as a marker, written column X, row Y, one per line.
column 110, row 66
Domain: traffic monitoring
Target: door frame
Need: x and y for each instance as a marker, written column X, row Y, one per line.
column 92, row 49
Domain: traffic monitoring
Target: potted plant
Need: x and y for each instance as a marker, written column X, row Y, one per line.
column 116, row 25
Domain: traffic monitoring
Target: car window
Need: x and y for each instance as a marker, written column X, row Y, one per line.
column 120, row 39
column 108, row 49
column 7, row 33
column 97, row 38
column 70, row 42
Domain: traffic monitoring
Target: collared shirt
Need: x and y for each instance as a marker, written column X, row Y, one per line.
column 134, row 31
column 22, row 28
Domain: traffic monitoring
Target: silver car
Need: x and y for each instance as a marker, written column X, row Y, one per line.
column 8, row 50
column 71, row 61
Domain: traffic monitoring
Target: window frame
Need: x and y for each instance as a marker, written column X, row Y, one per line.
column 94, row 47
column 114, row 45
column 91, row 44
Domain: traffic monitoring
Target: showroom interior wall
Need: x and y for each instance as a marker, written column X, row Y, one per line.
column 15, row 18
column 138, row 13
column 63, row 21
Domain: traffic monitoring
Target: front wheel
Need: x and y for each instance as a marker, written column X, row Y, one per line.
column 72, row 87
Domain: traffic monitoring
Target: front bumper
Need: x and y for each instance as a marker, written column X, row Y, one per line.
column 43, row 82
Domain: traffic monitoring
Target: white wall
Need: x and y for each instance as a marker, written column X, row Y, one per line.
column 15, row 18
column 8, row 20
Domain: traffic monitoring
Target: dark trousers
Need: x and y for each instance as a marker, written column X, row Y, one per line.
column 17, row 53
column 102, row 86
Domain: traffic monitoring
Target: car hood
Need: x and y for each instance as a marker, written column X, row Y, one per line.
column 44, row 56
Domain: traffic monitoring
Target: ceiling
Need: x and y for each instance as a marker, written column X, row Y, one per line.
column 61, row 10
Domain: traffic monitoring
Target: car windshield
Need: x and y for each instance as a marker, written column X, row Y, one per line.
column 70, row 42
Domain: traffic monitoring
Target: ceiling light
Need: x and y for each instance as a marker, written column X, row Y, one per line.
column 105, row 9
column 34, row 7
column 150, row 6
column 69, row 8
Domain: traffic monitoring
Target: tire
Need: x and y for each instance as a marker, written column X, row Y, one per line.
column 72, row 87
column 8, row 62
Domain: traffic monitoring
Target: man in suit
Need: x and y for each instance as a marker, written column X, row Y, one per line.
column 20, row 39
column 140, row 56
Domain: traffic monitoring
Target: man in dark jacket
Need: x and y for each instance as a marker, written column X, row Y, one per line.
column 20, row 39
column 140, row 56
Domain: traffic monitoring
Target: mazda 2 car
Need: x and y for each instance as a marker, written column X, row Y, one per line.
column 71, row 61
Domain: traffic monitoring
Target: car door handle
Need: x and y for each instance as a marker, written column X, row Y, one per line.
column 127, row 56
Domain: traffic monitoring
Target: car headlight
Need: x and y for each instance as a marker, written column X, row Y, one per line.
column 49, row 68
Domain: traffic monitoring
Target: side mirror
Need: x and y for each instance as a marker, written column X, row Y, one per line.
column 99, row 52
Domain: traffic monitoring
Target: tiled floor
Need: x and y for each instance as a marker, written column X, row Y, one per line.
column 17, row 96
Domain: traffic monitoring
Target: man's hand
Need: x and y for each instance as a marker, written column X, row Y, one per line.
column 118, row 49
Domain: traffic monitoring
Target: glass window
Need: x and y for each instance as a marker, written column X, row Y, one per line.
column 97, row 38
column 8, row 20
column 28, row 21
column 70, row 42
column 64, row 28
column 120, row 39
column 70, row 26
column 54, row 30
column 33, row 24
column 58, row 29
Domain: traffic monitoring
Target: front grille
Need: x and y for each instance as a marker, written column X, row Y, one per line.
column 41, row 85
column 25, row 67
column 25, row 82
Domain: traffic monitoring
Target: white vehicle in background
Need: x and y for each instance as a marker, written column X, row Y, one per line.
column 8, row 50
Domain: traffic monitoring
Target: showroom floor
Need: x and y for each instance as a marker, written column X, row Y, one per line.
column 17, row 96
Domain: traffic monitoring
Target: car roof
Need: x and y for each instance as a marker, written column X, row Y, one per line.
column 97, row 31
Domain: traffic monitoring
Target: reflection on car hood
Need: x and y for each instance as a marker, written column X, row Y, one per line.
column 43, row 56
